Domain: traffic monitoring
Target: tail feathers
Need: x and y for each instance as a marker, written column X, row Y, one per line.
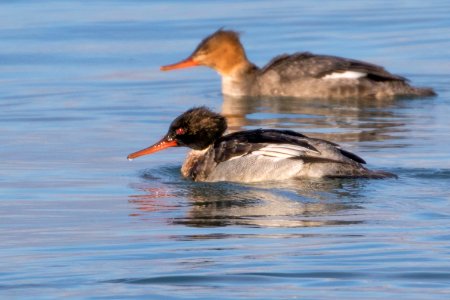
column 424, row 92
column 404, row 89
column 379, row 174
column 362, row 172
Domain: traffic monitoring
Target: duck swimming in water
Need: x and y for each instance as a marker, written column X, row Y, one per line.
column 302, row 74
column 254, row 155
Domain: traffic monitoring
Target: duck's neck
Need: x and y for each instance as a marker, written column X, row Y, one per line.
column 239, row 81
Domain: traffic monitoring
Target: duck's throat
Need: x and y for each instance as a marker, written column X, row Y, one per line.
column 240, row 82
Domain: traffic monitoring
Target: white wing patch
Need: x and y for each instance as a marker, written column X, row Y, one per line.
column 282, row 151
column 346, row 74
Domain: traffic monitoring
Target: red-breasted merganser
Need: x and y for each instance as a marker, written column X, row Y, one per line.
column 303, row 74
column 254, row 155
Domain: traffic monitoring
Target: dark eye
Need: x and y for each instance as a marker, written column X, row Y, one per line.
column 180, row 131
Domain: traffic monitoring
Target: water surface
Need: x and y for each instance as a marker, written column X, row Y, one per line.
column 81, row 89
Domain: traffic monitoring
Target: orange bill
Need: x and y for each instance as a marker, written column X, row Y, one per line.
column 161, row 145
column 189, row 62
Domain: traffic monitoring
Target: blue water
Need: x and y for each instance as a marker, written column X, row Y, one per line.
column 80, row 88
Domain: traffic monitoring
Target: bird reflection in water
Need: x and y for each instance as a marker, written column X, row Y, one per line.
column 294, row 203
column 155, row 199
column 154, row 195
column 351, row 120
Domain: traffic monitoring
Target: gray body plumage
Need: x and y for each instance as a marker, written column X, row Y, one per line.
column 307, row 75
column 262, row 155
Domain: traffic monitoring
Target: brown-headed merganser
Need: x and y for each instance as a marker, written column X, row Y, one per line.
column 303, row 74
column 254, row 155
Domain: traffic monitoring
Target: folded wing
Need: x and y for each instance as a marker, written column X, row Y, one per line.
column 306, row 64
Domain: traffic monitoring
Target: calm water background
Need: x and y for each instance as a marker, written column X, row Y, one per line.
column 80, row 89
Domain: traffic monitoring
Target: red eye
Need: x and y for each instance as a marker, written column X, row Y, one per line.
column 180, row 131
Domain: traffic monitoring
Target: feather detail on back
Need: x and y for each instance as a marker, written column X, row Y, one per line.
column 306, row 64
column 245, row 142
column 283, row 151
